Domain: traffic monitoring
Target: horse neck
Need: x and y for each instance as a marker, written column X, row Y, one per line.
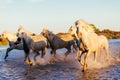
column 29, row 40
column 84, row 37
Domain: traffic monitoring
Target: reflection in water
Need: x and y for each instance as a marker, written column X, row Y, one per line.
column 15, row 69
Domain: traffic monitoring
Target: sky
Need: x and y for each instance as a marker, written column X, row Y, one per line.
column 58, row 15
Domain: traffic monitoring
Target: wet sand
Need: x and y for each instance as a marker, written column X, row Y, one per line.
column 15, row 69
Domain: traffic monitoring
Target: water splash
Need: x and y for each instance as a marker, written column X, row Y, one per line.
column 102, row 61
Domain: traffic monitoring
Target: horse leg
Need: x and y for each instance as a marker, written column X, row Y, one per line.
column 30, row 62
column 37, row 53
column 75, row 47
column 79, row 59
column 78, row 54
column 8, row 50
column 53, row 52
column 25, row 57
column 95, row 55
column 107, row 53
column 43, row 52
column 68, row 51
column 66, row 55
column 85, row 61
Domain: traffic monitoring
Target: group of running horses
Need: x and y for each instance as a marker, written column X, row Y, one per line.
column 81, row 36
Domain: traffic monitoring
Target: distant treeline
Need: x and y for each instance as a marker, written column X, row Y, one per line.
column 106, row 32
column 110, row 34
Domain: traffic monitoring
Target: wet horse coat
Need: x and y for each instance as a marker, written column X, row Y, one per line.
column 58, row 41
column 90, row 39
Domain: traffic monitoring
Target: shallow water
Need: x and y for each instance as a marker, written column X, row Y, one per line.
column 15, row 69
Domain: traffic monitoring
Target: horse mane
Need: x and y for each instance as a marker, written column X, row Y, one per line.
column 47, row 31
column 85, row 25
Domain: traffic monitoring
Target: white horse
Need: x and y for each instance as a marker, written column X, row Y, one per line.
column 29, row 44
column 90, row 42
column 103, row 44
column 90, row 39
column 103, row 41
column 12, row 38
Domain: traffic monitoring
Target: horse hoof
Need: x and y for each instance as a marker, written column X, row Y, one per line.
column 30, row 63
column 6, row 57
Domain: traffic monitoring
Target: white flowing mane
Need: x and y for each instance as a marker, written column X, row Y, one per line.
column 85, row 25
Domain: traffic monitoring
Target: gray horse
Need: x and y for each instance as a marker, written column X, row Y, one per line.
column 59, row 41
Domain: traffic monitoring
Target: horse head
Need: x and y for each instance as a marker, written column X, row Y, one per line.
column 21, row 30
column 45, row 32
column 22, row 35
column 48, row 34
column 84, row 25
column 72, row 30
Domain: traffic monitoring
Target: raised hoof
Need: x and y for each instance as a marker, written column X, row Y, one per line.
column 29, row 63
column 6, row 57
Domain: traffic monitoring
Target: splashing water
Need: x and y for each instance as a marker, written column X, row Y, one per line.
column 102, row 60
column 70, row 69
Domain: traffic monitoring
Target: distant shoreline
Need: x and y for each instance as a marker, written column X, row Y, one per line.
column 110, row 34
